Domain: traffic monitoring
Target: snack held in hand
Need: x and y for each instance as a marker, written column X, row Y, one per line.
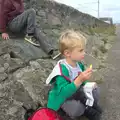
column 91, row 66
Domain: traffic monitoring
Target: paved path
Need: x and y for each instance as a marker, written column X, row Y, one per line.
column 111, row 86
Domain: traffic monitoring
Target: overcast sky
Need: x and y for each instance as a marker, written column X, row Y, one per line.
column 108, row 8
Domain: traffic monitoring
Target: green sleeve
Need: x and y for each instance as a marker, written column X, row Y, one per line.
column 82, row 66
column 64, row 87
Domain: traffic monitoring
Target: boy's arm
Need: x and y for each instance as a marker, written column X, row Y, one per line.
column 65, row 88
column 2, row 17
column 18, row 8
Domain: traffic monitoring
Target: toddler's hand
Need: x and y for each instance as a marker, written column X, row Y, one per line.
column 85, row 75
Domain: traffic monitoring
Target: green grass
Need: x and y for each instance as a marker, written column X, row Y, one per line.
column 105, row 40
column 103, row 49
column 106, row 30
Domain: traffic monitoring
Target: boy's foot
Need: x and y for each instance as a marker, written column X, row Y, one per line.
column 98, row 108
column 92, row 114
column 32, row 40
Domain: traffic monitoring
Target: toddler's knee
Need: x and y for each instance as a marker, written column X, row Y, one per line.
column 96, row 93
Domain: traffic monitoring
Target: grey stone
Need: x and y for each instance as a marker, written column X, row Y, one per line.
column 12, row 110
column 53, row 20
column 3, row 76
column 98, row 42
column 6, row 56
column 6, row 66
column 108, row 46
column 56, row 32
column 34, row 64
column 53, row 11
column 97, row 53
column 48, row 32
column 14, row 64
column 2, row 69
column 41, row 13
column 33, row 82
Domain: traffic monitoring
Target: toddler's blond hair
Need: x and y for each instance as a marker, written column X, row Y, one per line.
column 71, row 39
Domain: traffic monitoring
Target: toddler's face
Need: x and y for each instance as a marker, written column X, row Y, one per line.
column 77, row 54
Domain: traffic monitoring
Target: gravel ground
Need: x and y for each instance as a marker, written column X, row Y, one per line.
column 110, row 91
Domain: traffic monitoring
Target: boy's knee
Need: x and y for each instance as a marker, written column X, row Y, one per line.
column 97, row 90
column 96, row 93
column 73, row 108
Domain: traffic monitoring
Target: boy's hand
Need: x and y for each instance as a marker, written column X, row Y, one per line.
column 5, row 36
column 85, row 75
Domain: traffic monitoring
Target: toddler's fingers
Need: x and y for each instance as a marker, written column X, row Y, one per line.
column 89, row 70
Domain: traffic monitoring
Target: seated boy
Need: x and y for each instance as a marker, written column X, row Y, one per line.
column 14, row 17
column 71, row 89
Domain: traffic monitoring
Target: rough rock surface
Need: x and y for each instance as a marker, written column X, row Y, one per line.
column 24, row 68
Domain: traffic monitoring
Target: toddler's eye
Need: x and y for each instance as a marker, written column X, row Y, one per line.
column 81, row 50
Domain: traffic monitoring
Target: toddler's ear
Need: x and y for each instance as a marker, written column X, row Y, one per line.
column 67, row 53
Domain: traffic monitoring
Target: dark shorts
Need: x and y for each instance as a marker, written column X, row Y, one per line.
column 75, row 107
